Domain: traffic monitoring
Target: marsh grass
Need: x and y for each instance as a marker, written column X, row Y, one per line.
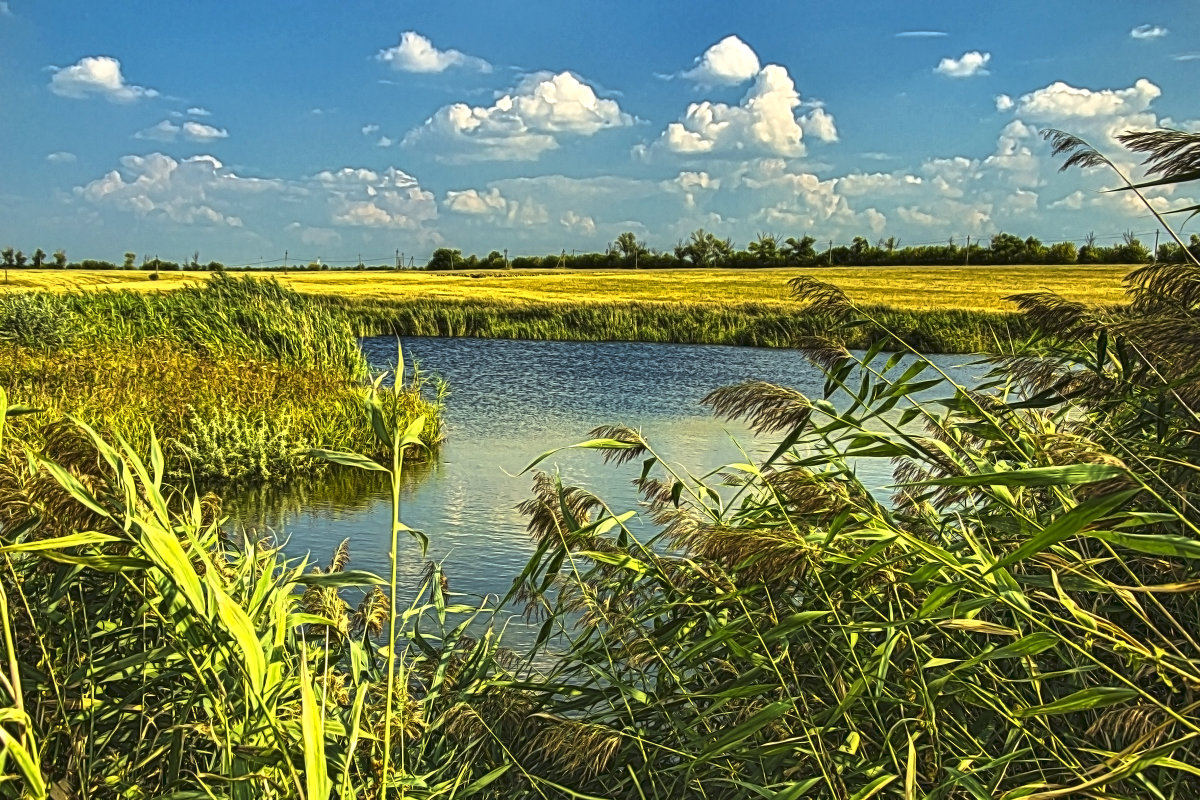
column 750, row 325
column 237, row 377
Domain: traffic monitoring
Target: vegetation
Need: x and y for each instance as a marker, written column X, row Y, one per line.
column 236, row 377
column 1017, row 620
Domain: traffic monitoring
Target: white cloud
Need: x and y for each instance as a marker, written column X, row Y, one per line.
column 188, row 192
column 763, row 122
column 384, row 141
column 415, row 53
column 921, row 34
column 365, row 198
column 969, row 65
column 819, row 123
column 199, row 132
column 367, row 130
column 492, row 204
column 197, row 111
column 1060, row 101
column 472, row 201
column 580, row 224
column 727, row 63
column 96, row 75
column 167, row 131
column 1004, row 102
column 61, row 157
column 1073, row 201
column 521, row 125
column 5, row 11
column 1148, row 32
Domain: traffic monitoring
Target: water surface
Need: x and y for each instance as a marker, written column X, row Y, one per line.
column 510, row 402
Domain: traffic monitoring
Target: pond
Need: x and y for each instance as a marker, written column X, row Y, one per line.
column 511, row 401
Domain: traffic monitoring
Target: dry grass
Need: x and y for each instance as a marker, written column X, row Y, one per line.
column 974, row 288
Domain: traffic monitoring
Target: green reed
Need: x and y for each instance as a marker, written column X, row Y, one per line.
column 727, row 322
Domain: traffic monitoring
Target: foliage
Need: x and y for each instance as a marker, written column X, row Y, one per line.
column 234, row 376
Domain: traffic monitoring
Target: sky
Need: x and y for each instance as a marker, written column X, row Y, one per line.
column 364, row 128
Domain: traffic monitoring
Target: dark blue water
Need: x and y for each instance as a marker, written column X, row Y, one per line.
column 512, row 401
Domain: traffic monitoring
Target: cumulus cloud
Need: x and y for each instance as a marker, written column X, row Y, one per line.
column 1004, row 102
column 199, row 132
column 522, row 124
column 1145, row 32
column 1060, row 100
column 415, row 53
column 727, row 63
column 969, row 65
column 367, row 130
column 167, row 131
column 61, row 157
column 194, row 191
column 365, row 198
column 96, row 75
column 202, row 191
column 580, row 224
column 493, row 205
column 197, row 111
column 764, row 122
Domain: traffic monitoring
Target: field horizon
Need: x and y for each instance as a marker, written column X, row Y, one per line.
column 910, row 288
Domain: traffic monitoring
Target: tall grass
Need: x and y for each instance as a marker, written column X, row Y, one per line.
column 756, row 325
column 237, row 377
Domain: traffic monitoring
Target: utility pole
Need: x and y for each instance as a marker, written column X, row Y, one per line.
column 635, row 254
column 968, row 262
column 1156, row 232
column 399, row 258
column 506, row 258
column 285, row 254
column 830, row 252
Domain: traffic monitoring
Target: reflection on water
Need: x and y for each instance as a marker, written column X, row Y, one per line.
column 511, row 401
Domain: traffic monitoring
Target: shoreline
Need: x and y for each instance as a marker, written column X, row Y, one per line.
column 745, row 325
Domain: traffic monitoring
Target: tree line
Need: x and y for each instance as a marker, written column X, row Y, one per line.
column 704, row 249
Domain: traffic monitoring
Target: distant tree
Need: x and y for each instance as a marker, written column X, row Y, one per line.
column 60, row 259
column 704, row 249
column 495, row 259
column 765, row 249
column 130, row 258
column 445, row 258
column 19, row 259
column 39, row 258
column 628, row 246
column 799, row 251
column 6, row 257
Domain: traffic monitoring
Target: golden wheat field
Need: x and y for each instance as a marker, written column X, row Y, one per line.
column 982, row 288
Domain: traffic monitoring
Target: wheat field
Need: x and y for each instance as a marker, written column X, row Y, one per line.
column 973, row 288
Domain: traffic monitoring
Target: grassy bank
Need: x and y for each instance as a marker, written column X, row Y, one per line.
column 934, row 310
column 236, row 377
column 758, row 325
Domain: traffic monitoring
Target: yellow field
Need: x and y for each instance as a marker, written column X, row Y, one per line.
column 981, row 288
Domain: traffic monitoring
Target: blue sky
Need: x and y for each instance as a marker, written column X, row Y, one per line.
column 333, row 130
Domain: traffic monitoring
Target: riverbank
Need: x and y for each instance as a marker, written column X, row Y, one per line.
column 747, row 325
column 236, row 378
column 930, row 309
